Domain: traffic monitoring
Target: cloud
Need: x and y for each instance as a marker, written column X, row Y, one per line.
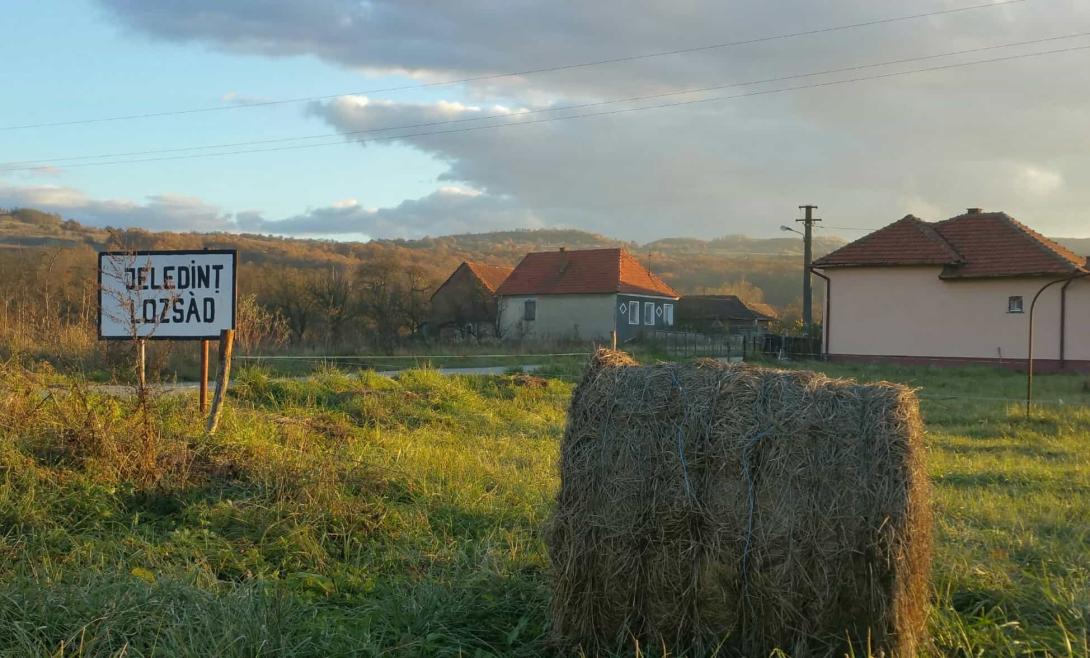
column 370, row 119
column 236, row 98
column 1005, row 135
column 749, row 165
column 449, row 210
column 1039, row 181
column 448, row 40
column 160, row 212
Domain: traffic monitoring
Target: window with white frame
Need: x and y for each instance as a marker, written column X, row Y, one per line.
column 649, row 313
column 668, row 314
column 1014, row 304
column 633, row 312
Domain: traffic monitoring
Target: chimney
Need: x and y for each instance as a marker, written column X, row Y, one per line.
column 562, row 250
column 973, row 211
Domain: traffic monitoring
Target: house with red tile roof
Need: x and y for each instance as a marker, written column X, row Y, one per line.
column 464, row 306
column 583, row 294
column 957, row 291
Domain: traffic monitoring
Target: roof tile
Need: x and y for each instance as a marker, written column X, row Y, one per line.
column 973, row 245
column 492, row 276
column 996, row 245
column 908, row 241
column 692, row 308
column 585, row 271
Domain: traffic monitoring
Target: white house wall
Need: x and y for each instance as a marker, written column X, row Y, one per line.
column 910, row 311
column 559, row 316
column 1078, row 320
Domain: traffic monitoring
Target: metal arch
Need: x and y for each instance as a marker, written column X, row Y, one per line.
column 1029, row 347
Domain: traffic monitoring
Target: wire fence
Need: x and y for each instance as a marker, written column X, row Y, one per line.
column 730, row 346
column 405, row 357
column 674, row 343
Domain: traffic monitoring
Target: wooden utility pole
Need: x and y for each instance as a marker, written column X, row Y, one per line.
column 203, row 396
column 227, row 346
column 807, row 279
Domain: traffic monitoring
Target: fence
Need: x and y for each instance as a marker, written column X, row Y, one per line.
column 687, row 343
column 792, row 347
column 692, row 344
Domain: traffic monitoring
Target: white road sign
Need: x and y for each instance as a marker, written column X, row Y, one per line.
column 174, row 295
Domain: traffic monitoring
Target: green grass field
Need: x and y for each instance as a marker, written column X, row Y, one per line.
column 357, row 515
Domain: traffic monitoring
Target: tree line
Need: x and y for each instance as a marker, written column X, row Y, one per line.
column 317, row 294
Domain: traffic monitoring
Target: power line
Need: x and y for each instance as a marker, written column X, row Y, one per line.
column 496, row 76
column 582, row 115
column 907, row 60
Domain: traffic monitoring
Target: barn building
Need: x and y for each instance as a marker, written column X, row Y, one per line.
column 464, row 306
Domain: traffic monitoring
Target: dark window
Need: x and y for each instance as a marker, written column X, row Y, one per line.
column 529, row 310
column 1014, row 304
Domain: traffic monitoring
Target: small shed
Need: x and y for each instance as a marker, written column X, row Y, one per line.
column 716, row 314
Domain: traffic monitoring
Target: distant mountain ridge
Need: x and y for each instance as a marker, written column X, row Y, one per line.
column 1080, row 246
column 27, row 227
column 547, row 239
column 759, row 269
column 34, row 228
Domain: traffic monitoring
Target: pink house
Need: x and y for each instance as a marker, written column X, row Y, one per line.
column 955, row 292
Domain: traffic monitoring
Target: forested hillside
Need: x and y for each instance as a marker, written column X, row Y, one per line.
column 335, row 293
column 351, row 294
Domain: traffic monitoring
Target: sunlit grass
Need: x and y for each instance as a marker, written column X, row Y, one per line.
column 352, row 514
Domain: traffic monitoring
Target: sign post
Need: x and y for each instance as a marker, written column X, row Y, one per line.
column 227, row 345
column 142, row 362
column 203, row 395
column 168, row 295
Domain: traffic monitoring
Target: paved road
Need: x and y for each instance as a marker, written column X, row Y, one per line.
column 181, row 387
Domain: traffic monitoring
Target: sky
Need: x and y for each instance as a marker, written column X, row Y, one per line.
column 378, row 144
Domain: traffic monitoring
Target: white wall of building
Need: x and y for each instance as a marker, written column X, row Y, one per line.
column 1078, row 320
column 910, row 311
column 559, row 316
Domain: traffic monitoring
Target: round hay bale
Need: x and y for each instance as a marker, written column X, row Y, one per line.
column 733, row 509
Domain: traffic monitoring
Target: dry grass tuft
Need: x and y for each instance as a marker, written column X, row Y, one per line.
column 529, row 381
column 738, row 510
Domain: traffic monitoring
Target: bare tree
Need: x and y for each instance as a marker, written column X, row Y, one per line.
column 288, row 294
column 331, row 291
column 125, row 305
column 417, row 287
column 380, row 303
